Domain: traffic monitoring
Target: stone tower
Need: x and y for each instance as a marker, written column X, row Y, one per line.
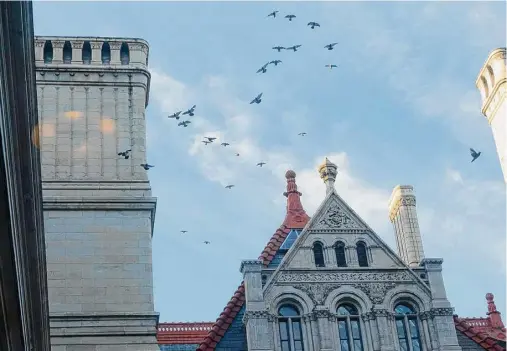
column 403, row 216
column 98, row 208
column 491, row 83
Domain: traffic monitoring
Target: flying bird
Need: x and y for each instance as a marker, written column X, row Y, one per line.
column 206, row 142
column 237, row 154
column 279, row 48
column 302, row 134
column 273, row 14
column 474, row 154
column 263, row 68
column 331, row 66
column 184, row 231
column 295, row 48
column 184, row 123
column 125, row 154
column 290, row 17
column 146, row 166
column 210, row 139
column 257, row 100
column 225, row 144
column 330, row 46
column 275, row 62
column 313, row 25
column 260, row 164
column 229, row 186
column 206, row 242
column 190, row 111
column 175, row 115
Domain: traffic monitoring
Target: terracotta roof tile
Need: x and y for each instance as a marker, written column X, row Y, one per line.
column 482, row 338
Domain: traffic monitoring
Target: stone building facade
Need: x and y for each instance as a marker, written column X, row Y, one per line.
column 492, row 84
column 329, row 283
column 98, row 207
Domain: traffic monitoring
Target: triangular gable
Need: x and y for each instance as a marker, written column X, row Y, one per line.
column 335, row 215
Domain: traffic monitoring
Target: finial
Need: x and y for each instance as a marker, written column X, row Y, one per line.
column 328, row 171
column 296, row 217
column 494, row 315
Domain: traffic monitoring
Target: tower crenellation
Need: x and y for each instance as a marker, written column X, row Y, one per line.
column 491, row 83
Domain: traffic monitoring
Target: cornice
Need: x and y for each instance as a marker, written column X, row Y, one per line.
column 489, row 100
column 497, row 53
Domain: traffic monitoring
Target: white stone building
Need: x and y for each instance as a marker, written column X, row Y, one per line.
column 98, row 208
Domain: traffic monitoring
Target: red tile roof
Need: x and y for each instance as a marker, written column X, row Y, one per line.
column 182, row 333
column 296, row 218
column 488, row 332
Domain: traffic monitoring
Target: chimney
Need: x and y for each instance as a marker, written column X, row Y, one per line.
column 494, row 316
column 403, row 216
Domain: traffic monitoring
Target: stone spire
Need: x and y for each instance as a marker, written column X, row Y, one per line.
column 494, row 315
column 296, row 217
column 328, row 171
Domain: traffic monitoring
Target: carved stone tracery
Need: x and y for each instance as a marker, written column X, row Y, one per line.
column 317, row 292
column 333, row 277
column 442, row 311
column 336, row 218
column 375, row 291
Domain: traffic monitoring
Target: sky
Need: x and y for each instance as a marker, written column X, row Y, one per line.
column 401, row 108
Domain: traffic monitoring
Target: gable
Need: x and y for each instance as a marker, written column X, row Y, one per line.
column 234, row 338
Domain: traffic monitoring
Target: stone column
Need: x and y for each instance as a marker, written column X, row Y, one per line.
column 425, row 330
column 256, row 316
column 315, row 331
column 330, row 256
column 326, row 342
column 385, row 332
column 115, row 53
column 350, row 252
column 77, row 51
column 57, row 51
column 96, row 53
column 368, row 332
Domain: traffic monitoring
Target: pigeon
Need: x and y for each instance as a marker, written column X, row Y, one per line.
column 190, row 111
column 125, row 154
column 313, row 25
column 295, row 48
column 237, row 154
column 206, row 142
column 302, row 134
column 260, row 164
column 184, row 123
column 330, row 46
column 210, row 139
column 175, row 115
column 257, row 100
column 146, row 166
column 206, row 242
column 474, row 154
column 229, row 186
column 331, row 66
column 183, row 231
column 273, row 14
column 275, row 62
column 279, row 48
column 225, row 144
column 263, row 68
column 290, row 17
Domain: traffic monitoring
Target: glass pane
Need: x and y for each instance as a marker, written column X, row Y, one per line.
column 298, row 345
column 404, row 309
column 358, row 345
column 296, row 330
column 354, row 325
column 347, row 310
column 288, row 311
column 285, row 346
column 416, row 345
column 344, row 345
column 342, row 329
column 318, row 254
column 404, row 345
column 284, row 335
column 414, row 330
column 361, row 254
column 400, row 328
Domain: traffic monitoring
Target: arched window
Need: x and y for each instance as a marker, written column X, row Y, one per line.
column 48, row 52
column 491, row 76
column 339, row 250
column 124, row 54
column 86, row 53
column 106, row 53
column 291, row 331
column 407, row 327
column 318, row 254
column 67, row 52
column 362, row 258
column 349, row 329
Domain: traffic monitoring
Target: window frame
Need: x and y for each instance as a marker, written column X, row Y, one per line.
column 340, row 245
column 289, row 325
column 314, row 246
column 363, row 244
column 406, row 318
column 348, row 318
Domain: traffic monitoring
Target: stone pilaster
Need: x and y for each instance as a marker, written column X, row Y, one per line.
column 324, row 318
column 446, row 332
column 351, row 254
column 383, row 320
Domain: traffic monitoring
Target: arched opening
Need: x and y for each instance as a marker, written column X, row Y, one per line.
column 349, row 328
column 67, row 52
column 407, row 327
column 106, row 53
column 124, row 54
column 339, row 250
column 362, row 257
column 491, row 76
column 318, row 254
column 86, row 53
column 290, row 328
column 48, row 52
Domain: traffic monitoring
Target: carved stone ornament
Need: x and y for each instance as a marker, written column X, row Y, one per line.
column 381, row 313
column 255, row 315
column 368, row 316
column 375, row 291
column 57, row 43
column 77, row 44
column 317, row 292
column 397, row 276
column 336, row 218
column 323, row 314
column 40, row 43
column 446, row 311
column 408, row 201
column 115, row 46
column 96, row 45
column 425, row 315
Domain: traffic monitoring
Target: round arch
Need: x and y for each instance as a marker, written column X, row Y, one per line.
column 411, row 294
column 348, row 294
column 293, row 296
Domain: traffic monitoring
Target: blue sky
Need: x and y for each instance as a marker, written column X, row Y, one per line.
column 402, row 107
